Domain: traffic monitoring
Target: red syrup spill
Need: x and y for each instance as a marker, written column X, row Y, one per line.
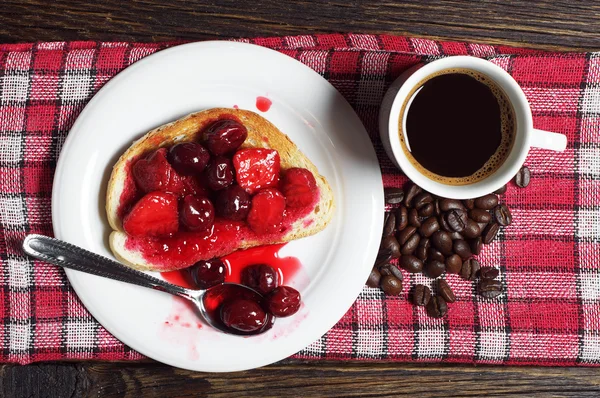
column 263, row 104
column 177, row 278
column 235, row 263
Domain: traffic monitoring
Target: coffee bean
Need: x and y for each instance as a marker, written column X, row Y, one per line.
column 482, row 226
column 413, row 218
column 390, row 224
column 486, row 202
column 443, row 223
column 471, row 229
column 421, row 295
column 411, row 244
column 429, row 227
column 489, row 288
column 437, row 308
column 412, row 191
column 469, row 269
column 456, row 235
column 427, row 210
column 391, row 243
column 442, row 241
column 488, row 272
column 475, row 245
column 391, row 285
column 434, row 268
column 435, row 254
column 453, row 264
column 405, row 234
column 422, row 199
column 461, row 247
column 383, row 256
column 391, row 269
column 523, row 177
column 457, row 219
column 449, row 204
column 436, row 207
column 393, row 196
column 490, row 232
column 469, row 203
column 421, row 252
column 480, row 215
column 411, row 264
column 374, row 278
column 401, row 218
column 445, row 291
column 501, row 190
column 502, row 215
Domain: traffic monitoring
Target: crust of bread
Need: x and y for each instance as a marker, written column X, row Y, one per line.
column 261, row 134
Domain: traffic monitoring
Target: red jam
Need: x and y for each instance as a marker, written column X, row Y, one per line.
column 186, row 247
column 287, row 267
column 263, row 104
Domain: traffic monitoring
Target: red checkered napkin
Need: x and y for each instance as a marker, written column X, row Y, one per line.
column 549, row 257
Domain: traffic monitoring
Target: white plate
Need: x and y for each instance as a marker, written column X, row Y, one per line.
column 180, row 80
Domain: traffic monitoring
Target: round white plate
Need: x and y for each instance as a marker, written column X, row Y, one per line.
column 166, row 86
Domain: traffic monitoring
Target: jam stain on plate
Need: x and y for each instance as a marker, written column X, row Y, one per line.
column 182, row 327
column 263, row 104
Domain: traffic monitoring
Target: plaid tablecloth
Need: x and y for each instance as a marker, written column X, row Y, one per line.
column 549, row 257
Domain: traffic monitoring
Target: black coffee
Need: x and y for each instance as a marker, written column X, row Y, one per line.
column 460, row 127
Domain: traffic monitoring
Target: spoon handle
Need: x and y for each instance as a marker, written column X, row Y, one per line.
column 70, row 256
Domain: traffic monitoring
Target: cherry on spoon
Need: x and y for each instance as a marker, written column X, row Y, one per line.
column 207, row 301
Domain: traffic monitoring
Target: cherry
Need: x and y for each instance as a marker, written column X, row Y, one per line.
column 196, row 214
column 233, row 203
column 188, row 158
column 244, row 315
column 207, row 273
column 260, row 277
column 224, row 136
column 283, row 301
column 219, row 173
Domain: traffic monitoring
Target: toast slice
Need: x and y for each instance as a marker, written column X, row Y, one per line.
column 261, row 134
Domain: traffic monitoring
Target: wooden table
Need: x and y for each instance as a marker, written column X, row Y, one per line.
column 558, row 25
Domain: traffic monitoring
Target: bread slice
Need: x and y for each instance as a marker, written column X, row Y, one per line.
column 261, row 134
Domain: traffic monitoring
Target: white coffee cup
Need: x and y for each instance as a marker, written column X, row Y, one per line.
column 526, row 136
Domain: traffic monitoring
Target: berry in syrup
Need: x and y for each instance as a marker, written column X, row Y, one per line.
column 196, row 214
column 260, row 277
column 283, row 301
column 188, row 158
column 207, row 273
column 233, row 203
column 219, row 173
column 244, row 315
column 224, row 136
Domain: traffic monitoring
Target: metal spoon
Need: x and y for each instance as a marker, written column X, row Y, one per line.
column 70, row 256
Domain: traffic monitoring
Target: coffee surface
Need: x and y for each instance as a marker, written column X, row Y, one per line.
column 460, row 127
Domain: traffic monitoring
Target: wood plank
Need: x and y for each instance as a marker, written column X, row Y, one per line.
column 295, row 379
column 561, row 24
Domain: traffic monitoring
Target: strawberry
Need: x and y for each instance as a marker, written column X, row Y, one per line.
column 256, row 168
column 155, row 214
column 299, row 187
column 266, row 211
column 155, row 173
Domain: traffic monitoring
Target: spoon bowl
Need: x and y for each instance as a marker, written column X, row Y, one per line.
column 207, row 301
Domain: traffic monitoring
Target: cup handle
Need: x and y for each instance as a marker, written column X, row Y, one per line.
column 548, row 140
